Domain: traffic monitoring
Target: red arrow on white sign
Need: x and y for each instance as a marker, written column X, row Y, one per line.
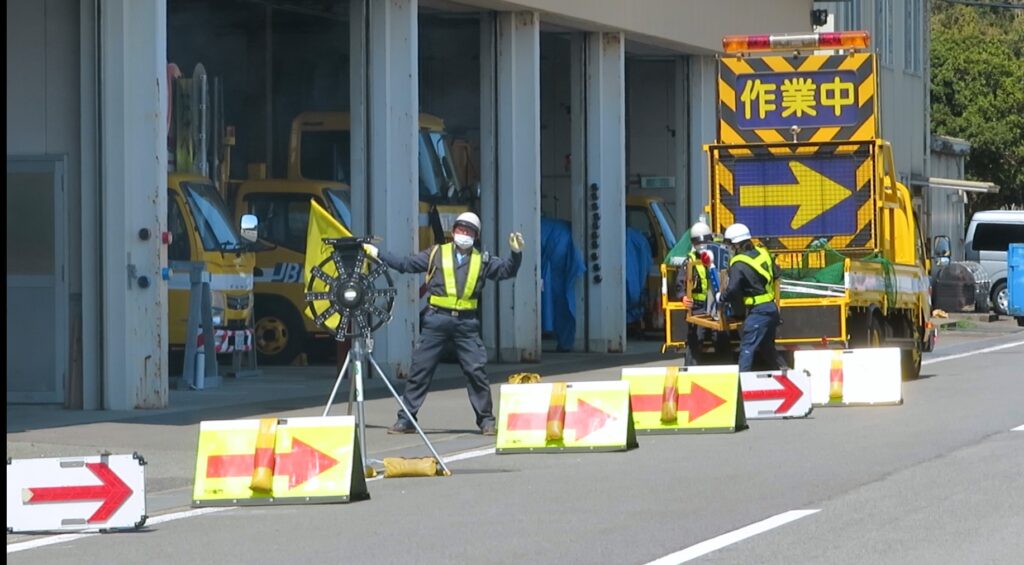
column 778, row 394
column 105, row 492
column 112, row 491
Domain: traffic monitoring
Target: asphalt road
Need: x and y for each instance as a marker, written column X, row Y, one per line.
column 939, row 479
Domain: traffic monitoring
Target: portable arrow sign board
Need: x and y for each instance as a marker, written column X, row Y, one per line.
column 705, row 399
column 315, row 460
column 596, row 418
column 852, row 376
column 101, row 492
column 776, row 394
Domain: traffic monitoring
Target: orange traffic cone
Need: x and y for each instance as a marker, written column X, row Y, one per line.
column 556, row 412
column 263, row 459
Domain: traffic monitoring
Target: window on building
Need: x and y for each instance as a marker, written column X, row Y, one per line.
column 884, row 31
column 851, row 15
column 912, row 37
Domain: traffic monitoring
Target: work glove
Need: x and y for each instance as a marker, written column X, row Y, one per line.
column 370, row 250
column 515, row 241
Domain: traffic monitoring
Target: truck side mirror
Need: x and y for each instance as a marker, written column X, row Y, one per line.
column 940, row 246
column 248, row 227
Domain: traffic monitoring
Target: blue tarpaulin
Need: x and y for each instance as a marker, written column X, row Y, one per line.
column 638, row 265
column 561, row 263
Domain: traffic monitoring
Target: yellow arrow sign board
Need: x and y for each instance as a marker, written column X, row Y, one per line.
column 596, row 418
column 702, row 399
column 852, row 377
column 813, row 194
column 315, row 460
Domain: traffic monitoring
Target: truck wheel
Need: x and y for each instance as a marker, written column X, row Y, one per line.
column 278, row 334
column 866, row 331
column 1001, row 298
column 910, row 359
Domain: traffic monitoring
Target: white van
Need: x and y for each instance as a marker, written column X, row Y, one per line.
column 988, row 237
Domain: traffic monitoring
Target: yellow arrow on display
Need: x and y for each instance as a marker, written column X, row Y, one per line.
column 813, row 194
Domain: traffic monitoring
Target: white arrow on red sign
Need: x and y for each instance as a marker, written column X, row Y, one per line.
column 776, row 394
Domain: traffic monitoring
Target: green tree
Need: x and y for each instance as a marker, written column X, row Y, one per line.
column 977, row 73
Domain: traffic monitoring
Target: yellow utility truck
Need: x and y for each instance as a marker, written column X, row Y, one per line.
column 799, row 160
column 201, row 231
column 319, row 168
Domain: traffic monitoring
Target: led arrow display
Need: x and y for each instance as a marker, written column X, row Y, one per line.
column 813, row 194
column 584, row 420
column 112, row 491
column 302, row 463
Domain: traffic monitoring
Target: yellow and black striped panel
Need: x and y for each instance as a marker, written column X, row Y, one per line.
column 817, row 192
column 829, row 98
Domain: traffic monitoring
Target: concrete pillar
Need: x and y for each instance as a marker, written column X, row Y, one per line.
column 393, row 177
column 358, row 115
column 518, row 181
column 703, row 76
column 581, row 213
column 490, row 324
column 606, row 168
column 681, row 151
column 91, row 241
column 133, row 195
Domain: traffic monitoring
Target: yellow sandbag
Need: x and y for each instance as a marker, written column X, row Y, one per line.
column 556, row 412
column 669, row 395
column 402, row 467
column 263, row 459
column 523, row 378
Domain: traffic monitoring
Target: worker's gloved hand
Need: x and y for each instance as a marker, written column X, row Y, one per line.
column 515, row 241
column 370, row 250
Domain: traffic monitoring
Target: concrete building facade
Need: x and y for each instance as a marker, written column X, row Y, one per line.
column 554, row 96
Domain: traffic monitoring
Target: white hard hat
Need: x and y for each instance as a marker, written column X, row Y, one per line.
column 700, row 232
column 469, row 220
column 737, row 233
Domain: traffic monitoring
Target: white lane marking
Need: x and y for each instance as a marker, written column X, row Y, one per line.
column 969, row 353
column 52, row 540
column 716, row 543
column 1018, row 429
column 469, row 454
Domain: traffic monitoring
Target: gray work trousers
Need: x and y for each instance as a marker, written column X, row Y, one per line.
column 436, row 330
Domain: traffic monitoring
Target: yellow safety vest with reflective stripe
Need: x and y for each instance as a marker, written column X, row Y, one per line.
column 452, row 300
column 762, row 265
column 702, row 276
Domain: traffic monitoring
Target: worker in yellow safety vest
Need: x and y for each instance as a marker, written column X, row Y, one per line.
column 700, row 235
column 455, row 276
column 751, row 289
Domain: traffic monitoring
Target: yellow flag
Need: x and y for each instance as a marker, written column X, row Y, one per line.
column 321, row 225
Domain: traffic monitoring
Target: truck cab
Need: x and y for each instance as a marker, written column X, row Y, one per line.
column 653, row 218
column 201, row 231
column 319, row 169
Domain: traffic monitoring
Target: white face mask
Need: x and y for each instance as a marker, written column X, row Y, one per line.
column 463, row 241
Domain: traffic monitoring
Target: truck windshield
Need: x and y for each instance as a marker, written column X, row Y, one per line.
column 325, row 155
column 211, row 217
column 667, row 222
column 340, row 205
column 438, row 182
